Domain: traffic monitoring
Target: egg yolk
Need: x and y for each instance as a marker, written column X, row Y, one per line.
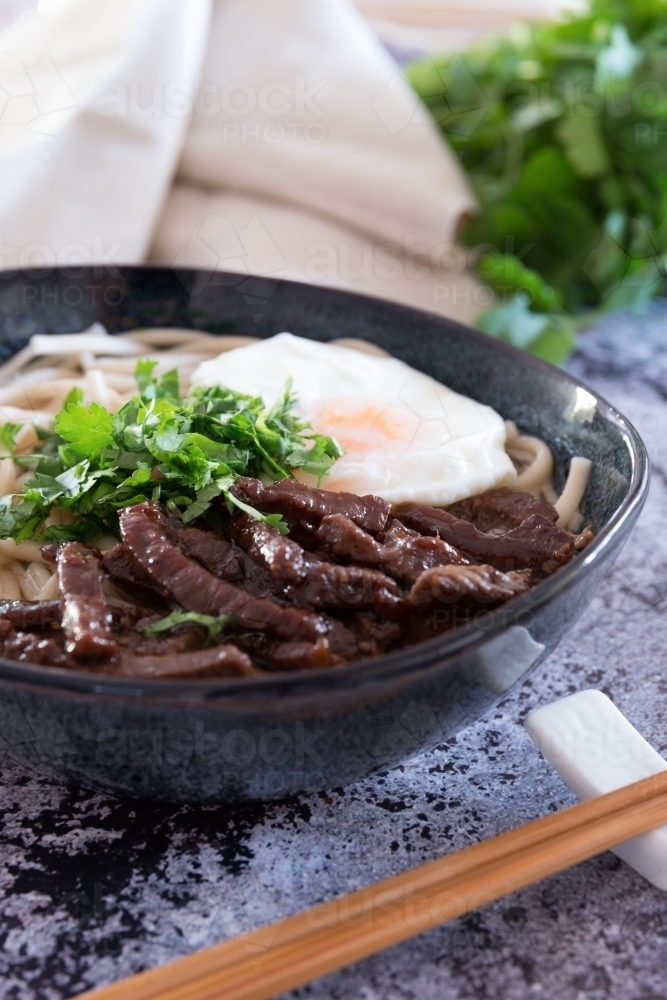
column 365, row 427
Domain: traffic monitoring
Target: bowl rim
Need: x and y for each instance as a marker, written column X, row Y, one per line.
column 438, row 650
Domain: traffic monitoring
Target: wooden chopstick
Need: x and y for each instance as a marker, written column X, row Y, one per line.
column 287, row 954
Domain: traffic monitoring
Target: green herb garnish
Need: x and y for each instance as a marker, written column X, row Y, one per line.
column 275, row 520
column 159, row 446
column 8, row 434
column 214, row 626
column 562, row 129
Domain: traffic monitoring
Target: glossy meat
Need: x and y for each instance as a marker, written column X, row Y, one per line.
column 306, row 578
column 384, row 583
column 297, row 502
column 221, row 556
column 43, row 647
column 220, row 661
column 30, row 614
column 194, row 588
column 534, row 542
column 127, row 577
column 501, row 510
column 481, row 584
column 86, row 616
column 403, row 554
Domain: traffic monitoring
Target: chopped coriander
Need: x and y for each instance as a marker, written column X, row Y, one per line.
column 8, row 434
column 87, row 429
column 214, row 626
column 183, row 451
column 562, row 130
column 275, row 520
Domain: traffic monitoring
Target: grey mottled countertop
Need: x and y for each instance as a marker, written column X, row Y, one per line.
column 95, row 888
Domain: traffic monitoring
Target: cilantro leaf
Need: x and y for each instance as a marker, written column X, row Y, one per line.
column 194, row 510
column 169, row 384
column 567, row 162
column 8, row 434
column 274, row 520
column 183, row 452
column 151, row 388
column 143, row 373
column 75, row 395
column 318, row 459
column 87, row 429
column 213, row 625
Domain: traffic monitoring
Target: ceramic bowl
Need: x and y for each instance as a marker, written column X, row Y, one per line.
column 216, row 740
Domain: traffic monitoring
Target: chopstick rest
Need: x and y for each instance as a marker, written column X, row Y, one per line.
column 596, row 750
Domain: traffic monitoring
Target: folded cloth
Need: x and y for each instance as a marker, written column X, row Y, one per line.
column 297, row 147
column 250, row 236
column 300, row 103
column 84, row 180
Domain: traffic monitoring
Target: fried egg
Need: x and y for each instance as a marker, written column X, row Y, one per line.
column 406, row 437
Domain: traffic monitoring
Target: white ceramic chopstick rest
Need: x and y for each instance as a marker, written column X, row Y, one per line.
column 596, row 750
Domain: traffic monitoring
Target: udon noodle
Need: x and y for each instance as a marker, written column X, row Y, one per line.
column 35, row 382
column 534, row 464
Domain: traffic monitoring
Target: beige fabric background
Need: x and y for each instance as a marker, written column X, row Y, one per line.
column 305, row 154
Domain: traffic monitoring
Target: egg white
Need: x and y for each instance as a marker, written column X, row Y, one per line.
column 406, row 437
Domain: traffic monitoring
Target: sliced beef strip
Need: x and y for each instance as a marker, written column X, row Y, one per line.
column 504, row 510
column 86, row 616
column 347, row 541
column 164, row 658
column 501, row 510
column 305, row 504
column 182, row 639
column 339, row 646
column 585, row 536
column 294, row 654
column 126, row 616
column 221, row 556
column 403, row 554
column 131, row 580
column 481, row 584
column 183, row 651
column 41, row 648
column 534, row 543
column 219, row 661
column 194, row 588
column 546, row 546
column 375, row 636
column 30, row 614
column 306, row 578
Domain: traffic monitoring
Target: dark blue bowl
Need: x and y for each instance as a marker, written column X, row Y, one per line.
column 196, row 741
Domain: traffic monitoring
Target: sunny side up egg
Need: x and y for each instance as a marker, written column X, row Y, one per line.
column 406, row 436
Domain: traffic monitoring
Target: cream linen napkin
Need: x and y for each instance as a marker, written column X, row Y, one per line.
column 84, row 170
column 296, row 146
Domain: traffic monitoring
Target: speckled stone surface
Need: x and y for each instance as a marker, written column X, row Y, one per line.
column 95, row 888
